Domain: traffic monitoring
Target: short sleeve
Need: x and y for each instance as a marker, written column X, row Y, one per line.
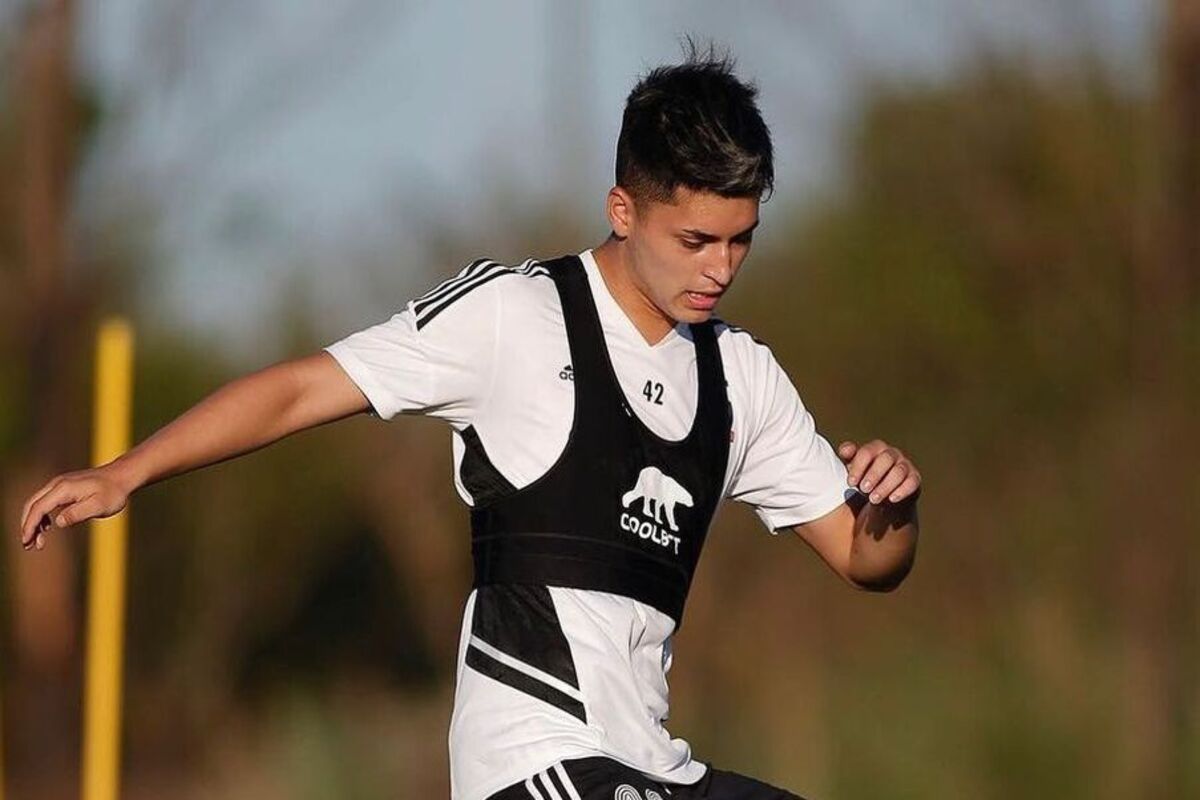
column 789, row 473
column 431, row 359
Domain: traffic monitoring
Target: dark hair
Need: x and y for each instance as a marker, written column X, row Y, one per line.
column 695, row 125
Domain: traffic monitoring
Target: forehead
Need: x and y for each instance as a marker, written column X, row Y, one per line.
column 704, row 211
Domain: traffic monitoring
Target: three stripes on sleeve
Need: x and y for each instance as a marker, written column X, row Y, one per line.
column 476, row 274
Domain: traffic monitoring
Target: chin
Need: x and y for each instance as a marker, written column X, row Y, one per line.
column 694, row 316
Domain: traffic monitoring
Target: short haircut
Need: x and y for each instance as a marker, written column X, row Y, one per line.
column 695, row 125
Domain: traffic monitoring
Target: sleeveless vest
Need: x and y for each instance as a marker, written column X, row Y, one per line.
column 621, row 510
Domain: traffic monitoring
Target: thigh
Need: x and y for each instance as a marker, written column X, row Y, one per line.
column 605, row 779
column 585, row 779
column 718, row 784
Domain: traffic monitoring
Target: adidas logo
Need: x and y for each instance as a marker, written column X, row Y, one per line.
column 567, row 373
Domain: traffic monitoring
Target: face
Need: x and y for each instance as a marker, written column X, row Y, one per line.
column 683, row 255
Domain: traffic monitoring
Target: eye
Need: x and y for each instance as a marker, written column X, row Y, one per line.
column 691, row 244
column 744, row 240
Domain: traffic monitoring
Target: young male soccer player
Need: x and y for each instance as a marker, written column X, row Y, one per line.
column 600, row 414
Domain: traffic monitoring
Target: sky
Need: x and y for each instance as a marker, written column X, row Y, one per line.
column 327, row 143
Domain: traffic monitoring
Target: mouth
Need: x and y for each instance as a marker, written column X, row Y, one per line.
column 703, row 301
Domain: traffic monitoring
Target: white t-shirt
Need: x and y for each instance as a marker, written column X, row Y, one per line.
column 488, row 349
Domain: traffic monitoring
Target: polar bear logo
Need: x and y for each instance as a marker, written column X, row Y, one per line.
column 657, row 491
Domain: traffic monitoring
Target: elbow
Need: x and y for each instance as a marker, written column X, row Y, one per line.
column 884, row 566
column 877, row 586
column 880, row 582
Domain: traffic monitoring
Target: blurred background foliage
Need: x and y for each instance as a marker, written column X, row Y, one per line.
column 1002, row 281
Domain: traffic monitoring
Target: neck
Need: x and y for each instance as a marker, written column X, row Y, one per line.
column 612, row 258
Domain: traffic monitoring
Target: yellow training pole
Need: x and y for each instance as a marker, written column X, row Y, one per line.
column 106, row 575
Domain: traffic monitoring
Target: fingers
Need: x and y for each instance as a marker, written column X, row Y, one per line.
column 38, row 495
column 846, row 451
column 907, row 487
column 43, row 529
column 875, row 473
column 882, row 471
column 862, row 460
column 65, row 516
column 39, row 538
column 890, row 482
column 84, row 510
column 41, row 515
column 70, row 499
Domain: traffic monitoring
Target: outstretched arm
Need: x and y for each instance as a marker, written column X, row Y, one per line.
column 244, row 415
column 871, row 540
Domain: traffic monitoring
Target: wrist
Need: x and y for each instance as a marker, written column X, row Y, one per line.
column 125, row 473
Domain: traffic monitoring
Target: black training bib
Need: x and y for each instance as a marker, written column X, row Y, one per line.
column 622, row 510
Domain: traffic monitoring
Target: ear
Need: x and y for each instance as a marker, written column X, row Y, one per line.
column 622, row 214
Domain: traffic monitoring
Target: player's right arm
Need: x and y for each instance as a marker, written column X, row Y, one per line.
column 244, row 415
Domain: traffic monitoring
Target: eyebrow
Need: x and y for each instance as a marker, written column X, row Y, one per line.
column 704, row 236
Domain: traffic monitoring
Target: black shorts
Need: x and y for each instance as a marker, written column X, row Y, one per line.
column 605, row 779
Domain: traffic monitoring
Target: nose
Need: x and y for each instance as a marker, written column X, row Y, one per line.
column 720, row 267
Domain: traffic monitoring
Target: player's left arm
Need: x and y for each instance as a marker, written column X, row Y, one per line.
column 871, row 539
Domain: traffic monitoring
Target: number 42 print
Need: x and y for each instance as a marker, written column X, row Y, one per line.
column 653, row 391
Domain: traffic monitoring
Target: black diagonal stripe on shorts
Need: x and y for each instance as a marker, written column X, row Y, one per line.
column 483, row 663
column 520, row 620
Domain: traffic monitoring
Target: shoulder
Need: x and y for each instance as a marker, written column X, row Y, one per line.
column 745, row 357
column 480, row 288
column 733, row 336
column 759, row 387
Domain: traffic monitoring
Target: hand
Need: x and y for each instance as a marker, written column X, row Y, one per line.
column 885, row 472
column 69, row 499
